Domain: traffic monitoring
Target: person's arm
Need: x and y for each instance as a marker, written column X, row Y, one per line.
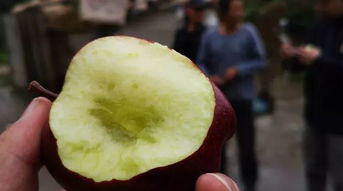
column 299, row 59
column 204, row 59
column 257, row 53
column 314, row 55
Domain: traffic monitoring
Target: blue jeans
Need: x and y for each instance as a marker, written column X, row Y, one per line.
column 323, row 156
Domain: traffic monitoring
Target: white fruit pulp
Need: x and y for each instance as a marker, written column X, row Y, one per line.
column 128, row 106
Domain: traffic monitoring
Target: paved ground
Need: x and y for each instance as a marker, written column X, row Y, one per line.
column 278, row 135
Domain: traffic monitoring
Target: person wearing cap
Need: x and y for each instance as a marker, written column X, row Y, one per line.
column 187, row 38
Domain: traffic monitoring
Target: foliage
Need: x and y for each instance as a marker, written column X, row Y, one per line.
column 3, row 55
column 300, row 19
column 299, row 13
column 3, row 58
column 254, row 7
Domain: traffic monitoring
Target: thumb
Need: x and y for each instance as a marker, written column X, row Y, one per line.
column 23, row 137
column 215, row 182
column 19, row 147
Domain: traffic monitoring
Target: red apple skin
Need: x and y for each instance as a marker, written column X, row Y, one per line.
column 180, row 176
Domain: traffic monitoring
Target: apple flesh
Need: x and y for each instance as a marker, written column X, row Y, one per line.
column 135, row 115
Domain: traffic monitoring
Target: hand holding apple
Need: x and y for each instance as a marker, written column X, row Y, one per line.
column 134, row 115
column 21, row 161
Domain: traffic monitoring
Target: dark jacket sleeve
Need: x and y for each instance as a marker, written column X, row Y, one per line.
column 329, row 61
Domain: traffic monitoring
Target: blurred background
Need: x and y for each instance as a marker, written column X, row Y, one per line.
column 38, row 39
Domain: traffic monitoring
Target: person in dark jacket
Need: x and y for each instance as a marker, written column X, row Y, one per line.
column 188, row 37
column 323, row 60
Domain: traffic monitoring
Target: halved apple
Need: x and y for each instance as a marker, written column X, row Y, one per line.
column 135, row 115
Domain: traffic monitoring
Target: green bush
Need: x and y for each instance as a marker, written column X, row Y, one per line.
column 300, row 13
column 3, row 58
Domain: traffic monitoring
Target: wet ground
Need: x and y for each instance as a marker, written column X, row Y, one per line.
column 278, row 135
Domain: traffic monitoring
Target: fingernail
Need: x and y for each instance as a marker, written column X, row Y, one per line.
column 230, row 186
column 34, row 103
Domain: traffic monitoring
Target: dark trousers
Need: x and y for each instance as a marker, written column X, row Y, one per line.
column 323, row 156
column 245, row 134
